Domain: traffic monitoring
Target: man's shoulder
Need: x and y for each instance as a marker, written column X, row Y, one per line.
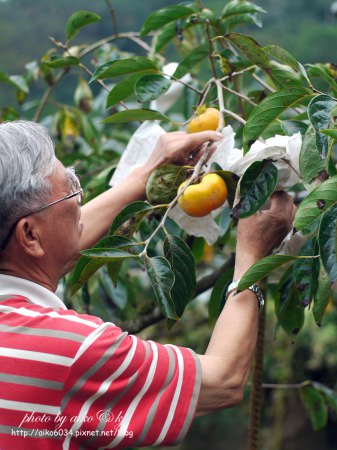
column 22, row 310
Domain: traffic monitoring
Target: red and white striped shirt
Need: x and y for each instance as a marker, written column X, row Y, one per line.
column 69, row 380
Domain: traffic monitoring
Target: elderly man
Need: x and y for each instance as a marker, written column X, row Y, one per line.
column 70, row 380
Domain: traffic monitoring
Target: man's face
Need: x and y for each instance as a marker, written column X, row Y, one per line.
column 62, row 228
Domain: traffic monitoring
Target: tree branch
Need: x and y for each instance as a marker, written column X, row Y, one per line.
column 205, row 283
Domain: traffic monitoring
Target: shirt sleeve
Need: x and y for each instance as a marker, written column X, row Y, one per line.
column 122, row 391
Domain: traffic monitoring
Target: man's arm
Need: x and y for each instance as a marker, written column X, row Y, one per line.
column 174, row 148
column 226, row 363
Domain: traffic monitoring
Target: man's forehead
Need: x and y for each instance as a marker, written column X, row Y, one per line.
column 61, row 174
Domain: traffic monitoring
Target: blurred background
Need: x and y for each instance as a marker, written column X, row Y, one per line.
column 308, row 29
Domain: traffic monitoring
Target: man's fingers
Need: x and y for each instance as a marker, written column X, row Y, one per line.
column 203, row 136
column 281, row 200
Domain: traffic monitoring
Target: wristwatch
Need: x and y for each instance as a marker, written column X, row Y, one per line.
column 232, row 288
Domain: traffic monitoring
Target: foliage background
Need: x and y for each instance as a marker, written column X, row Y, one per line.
column 309, row 30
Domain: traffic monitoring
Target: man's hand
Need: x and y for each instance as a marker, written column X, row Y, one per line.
column 181, row 148
column 259, row 234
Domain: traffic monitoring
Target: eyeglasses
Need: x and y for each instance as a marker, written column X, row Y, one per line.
column 78, row 193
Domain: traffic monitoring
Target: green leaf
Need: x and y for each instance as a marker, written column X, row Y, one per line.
column 135, row 211
column 329, row 395
column 256, row 185
column 306, row 271
column 304, row 74
column 330, row 133
column 238, row 12
column 262, row 268
column 231, row 180
column 166, row 35
column 118, row 67
column 282, row 55
column 312, row 166
column 283, row 75
column 108, row 254
column 150, row 87
column 86, row 267
column 16, row 81
column 322, row 296
column 319, row 112
column 178, row 253
column 163, row 16
column 268, row 110
column 320, row 70
column 218, row 295
column 162, row 280
column 78, row 20
column 130, row 115
column 57, row 62
column 327, row 242
column 250, row 48
column 289, row 311
column 291, row 127
column 316, row 203
column 124, row 88
column 192, row 59
column 315, row 406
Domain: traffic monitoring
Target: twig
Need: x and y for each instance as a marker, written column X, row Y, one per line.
column 205, row 92
column 205, row 283
column 244, row 97
column 210, row 54
column 221, row 104
column 235, row 116
column 145, row 46
column 262, row 82
column 286, row 386
column 46, row 95
column 223, row 110
column 195, row 174
column 100, row 82
column 113, row 16
column 286, row 160
column 235, row 74
column 140, row 323
column 178, row 80
column 90, row 73
column 128, row 35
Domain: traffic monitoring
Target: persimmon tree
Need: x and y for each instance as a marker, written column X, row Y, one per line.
column 261, row 92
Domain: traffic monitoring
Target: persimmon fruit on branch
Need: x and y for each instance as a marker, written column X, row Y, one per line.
column 206, row 119
column 200, row 199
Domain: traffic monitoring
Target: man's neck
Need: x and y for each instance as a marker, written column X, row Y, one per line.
column 29, row 271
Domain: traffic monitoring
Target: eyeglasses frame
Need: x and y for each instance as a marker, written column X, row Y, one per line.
column 37, row 210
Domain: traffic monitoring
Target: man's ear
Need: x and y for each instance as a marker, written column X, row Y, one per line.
column 28, row 235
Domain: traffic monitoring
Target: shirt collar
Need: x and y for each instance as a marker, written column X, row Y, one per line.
column 37, row 294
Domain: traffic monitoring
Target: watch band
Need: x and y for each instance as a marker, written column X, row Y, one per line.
column 232, row 288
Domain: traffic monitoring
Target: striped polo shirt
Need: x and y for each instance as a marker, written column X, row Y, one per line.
column 71, row 381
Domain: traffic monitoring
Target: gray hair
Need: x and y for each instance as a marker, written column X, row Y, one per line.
column 27, row 158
